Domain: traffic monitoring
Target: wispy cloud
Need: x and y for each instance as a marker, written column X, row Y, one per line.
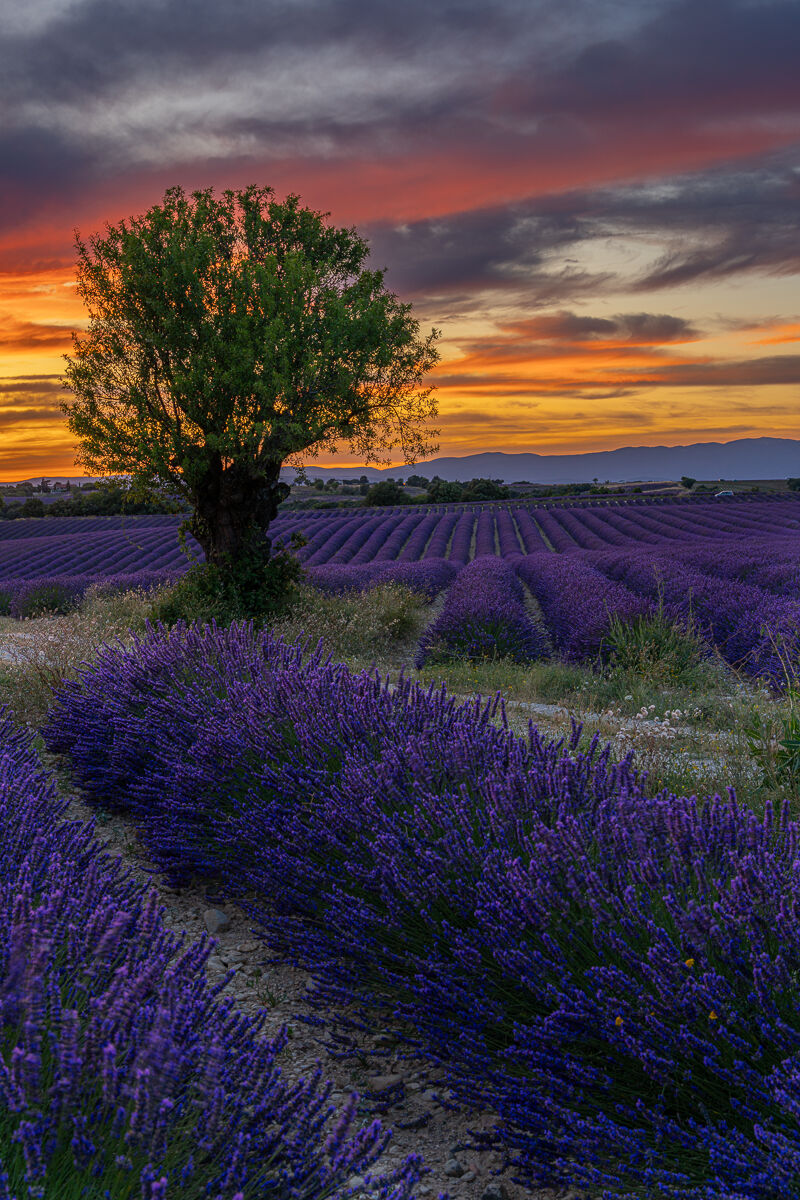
column 33, row 336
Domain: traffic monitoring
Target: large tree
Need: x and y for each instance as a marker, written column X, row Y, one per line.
column 228, row 335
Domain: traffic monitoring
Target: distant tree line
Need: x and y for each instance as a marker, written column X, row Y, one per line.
column 105, row 500
column 437, row 491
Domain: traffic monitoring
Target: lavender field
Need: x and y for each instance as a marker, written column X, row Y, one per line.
column 729, row 566
column 597, row 968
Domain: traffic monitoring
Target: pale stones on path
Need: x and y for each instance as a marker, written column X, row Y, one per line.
column 216, row 921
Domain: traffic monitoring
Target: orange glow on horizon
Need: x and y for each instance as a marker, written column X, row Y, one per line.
column 524, row 384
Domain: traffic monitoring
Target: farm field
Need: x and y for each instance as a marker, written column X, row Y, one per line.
column 729, row 567
column 555, row 938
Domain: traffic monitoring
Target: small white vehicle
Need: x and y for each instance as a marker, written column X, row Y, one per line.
column 718, row 494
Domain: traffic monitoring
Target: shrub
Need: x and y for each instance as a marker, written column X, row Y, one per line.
column 652, row 646
column 121, row 1073
column 365, row 625
column 46, row 597
column 60, row 594
column 386, row 493
column 256, row 589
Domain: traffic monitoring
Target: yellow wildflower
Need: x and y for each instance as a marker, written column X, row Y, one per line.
column 618, row 1021
column 689, row 962
column 712, row 1016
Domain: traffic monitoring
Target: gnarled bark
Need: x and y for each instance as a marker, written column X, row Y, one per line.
column 233, row 511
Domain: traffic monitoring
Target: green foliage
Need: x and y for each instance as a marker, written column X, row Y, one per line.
column 654, row 648
column 228, row 334
column 774, row 742
column 32, row 507
column 386, row 492
column 247, row 588
column 358, row 627
column 688, row 482
column 787, row 757
column 443, row 492
column 5, row 603
column 417, row 481
column 111, row 498
column 485, row 489
column 793, row 484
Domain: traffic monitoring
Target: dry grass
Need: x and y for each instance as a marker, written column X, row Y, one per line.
column 41, row 653
column 380, row 625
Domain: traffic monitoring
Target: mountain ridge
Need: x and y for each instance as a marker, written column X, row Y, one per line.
column 743, row 458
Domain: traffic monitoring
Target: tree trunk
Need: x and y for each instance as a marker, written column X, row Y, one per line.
column 233, row 510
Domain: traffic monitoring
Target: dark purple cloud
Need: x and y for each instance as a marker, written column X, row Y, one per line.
column 712, row 224
column 696, row 56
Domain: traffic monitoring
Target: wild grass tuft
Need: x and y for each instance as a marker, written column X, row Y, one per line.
column 359, row 628
column 653, row 647
column 41, row 652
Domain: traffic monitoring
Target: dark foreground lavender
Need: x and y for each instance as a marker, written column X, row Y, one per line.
column 615, row 974
column 122, row 1075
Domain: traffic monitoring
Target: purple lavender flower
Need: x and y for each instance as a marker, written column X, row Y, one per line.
column 614, row 974
column 484, row 617
column 118, row 1063
column 577, row 601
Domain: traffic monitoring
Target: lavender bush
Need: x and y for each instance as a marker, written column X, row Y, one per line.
column 756, row 631
column 577, row 601
column 428, row 578
column 614, row 973
column 122, row 1075
column 63, row 593
column 484, row 616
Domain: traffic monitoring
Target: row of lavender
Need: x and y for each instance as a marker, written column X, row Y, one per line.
column 612, row 973
column 744, row 602
column 24, row 598
column 116, row 545
column 511, row 530
column 122, row 1073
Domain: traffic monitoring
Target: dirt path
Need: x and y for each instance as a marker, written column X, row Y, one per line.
column 406, row 1097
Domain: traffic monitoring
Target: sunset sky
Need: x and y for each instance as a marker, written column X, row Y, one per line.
column 596, row 201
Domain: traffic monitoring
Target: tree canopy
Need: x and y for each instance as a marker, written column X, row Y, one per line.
column 229, row 334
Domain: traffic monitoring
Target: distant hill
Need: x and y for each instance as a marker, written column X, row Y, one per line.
column 746, row 458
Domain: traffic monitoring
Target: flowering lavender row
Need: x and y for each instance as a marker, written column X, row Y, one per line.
column 70, row 545
column 429, row 577
column 577, row 601
column 62, row 593
column 484, row 616
column 768, row 562
column 117, row 551
column 25, row 528
column 614, row 974
column 755, row 630
column 122, row 1074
